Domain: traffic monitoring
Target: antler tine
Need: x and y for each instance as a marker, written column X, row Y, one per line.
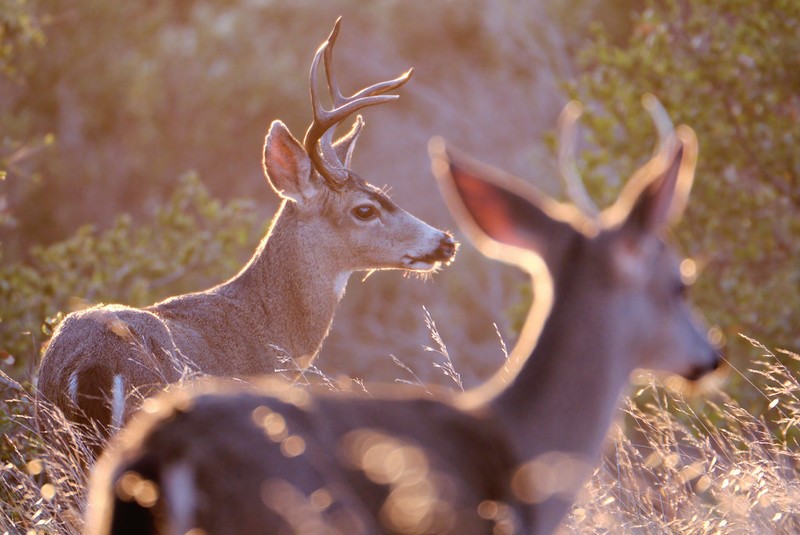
column 333, row 87
column 318, row 140
column 339, row 100
column 320, row 124
column 661, row 120
column 571, row 179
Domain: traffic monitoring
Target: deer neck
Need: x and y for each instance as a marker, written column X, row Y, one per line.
column 290, row 288
column 558, row 409
column 567, row 388
column 564, row 394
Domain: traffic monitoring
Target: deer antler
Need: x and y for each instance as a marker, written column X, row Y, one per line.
column 661, row 120
column 318, row 140
column 567, row 139
column 570, row 178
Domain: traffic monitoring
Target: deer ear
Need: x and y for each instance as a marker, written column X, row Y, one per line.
column 345, row 145
column 657, row 195
column 505, row 217
column 286, row 165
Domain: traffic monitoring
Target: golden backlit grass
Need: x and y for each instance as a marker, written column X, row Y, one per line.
column 681, row 465
column 672, row 464
column 42, row 478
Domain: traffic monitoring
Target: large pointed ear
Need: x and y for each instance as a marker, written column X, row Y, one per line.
column 656, row 196
column 505, row 217
column 286, row 164
column 345, row 145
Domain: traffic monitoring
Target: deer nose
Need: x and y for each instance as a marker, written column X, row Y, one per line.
column 447, row 246
column 717, row 360
column 700, row 370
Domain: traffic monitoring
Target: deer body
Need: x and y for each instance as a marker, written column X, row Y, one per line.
column 280, row 306
column 462, row 483
column 507, row 457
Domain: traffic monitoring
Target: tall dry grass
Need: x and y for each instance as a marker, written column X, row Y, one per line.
column 674, row 464
column 43, row 474
column 684, row 465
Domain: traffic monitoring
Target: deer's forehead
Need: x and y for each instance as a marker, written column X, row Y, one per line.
column 664, row 267
column 352, row 194
column 367, row 192
column 668, row 260
column 648, row 262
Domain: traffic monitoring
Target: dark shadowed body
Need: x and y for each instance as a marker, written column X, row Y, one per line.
column 350, row 451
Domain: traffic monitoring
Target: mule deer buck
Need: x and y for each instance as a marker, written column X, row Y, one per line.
column 330, row 223
column 507, row 457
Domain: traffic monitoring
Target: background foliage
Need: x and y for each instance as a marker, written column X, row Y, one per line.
column 730, row 70
column 188, row 241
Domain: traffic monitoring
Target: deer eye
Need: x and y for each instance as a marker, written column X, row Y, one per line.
column 681, row 290
column 365, row 212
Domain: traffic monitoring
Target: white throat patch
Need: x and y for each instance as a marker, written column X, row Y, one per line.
column 340, row 283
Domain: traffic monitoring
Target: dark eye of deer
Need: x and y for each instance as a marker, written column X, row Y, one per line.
column 681, row 290
column 365, row 212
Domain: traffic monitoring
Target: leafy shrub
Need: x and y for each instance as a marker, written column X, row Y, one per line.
column 730, row 70
column 20, row 29
column 189, row 243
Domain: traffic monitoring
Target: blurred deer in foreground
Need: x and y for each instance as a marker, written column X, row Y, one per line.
column 281, row 304
column 507, row 457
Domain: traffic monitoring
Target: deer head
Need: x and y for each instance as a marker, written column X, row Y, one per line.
column 360, row 225
column 618, row 258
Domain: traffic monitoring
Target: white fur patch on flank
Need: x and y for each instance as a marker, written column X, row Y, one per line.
column 72, row 387
column 180, row 493
column 117, row 401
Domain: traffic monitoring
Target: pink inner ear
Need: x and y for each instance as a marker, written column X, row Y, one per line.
column 488, row 206
column 662, row 194
column 281, row 158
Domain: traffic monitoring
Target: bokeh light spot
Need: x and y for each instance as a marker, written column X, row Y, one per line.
column 293, row 446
